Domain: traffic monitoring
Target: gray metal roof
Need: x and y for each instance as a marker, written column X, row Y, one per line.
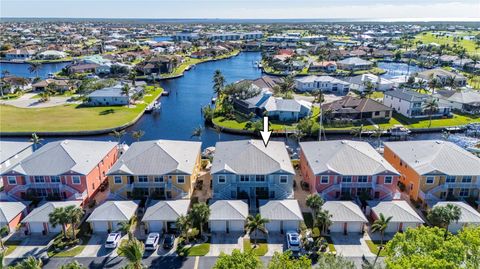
column 344, row 211
column 114, row 211
column 469, row 214
column 279, row 104
column 40, row 214
column 60, row 157
column 399, row 210
column 228, row 210
column 9, row 210
column 281, row 210
column 9, row 149
column 407, row 95
column 166, row 210
column 345, row 157
column 251, row 157
column 432, row 156
column 355, row 61
column 158, row 157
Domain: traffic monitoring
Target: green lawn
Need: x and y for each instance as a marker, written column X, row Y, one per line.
column 373, row 246
column 199, row 250
column 9, row 96
column 11, row 245
column 70, row 117
column 428, row 37
column 260, row 250
column 81, row 233
column 456, row 120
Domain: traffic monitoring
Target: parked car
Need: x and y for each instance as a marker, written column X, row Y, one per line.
column 169, row 241
column 152, row 241
column 112, row 240
column 293, row 241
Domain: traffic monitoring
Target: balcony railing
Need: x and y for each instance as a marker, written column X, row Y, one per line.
column 467, row 185
column 357, row 185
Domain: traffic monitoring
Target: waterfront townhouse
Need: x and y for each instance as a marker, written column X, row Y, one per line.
column 323, row 83
column 66, row 169
column 13, row 152
column 246, row 169
column 162, row 169
column 435, row 170
column 38, row 221
column 344, row 168
column 412, row 104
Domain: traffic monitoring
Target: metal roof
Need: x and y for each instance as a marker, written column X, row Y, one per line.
column 40, row 214
column 114, row 211
column 469, row 214
column 344, row 211
column 166, row 210
column 228, row 210
column 9, row 210
column 281, row 210
column 399, row 210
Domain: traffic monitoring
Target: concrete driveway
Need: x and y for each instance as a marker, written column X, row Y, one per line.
column 96, row 248
column 33, row 245
column 225, row 242
column 162, row 251
column 27, row 101
column 276, row 243
column 351, row 245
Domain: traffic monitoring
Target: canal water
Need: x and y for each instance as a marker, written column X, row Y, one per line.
column 398, row 69
column 180, row 112
column 21, row 69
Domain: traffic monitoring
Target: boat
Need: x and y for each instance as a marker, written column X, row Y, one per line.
column 188, row 68
column 399, row 131
column 153, row 107
column 214, row 100
column 455, row 129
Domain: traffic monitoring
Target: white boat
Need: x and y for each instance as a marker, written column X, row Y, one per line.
column 153, row 107
column 399, row 130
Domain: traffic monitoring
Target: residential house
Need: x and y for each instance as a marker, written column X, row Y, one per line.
column 38, row 221
column 247, row 169
column 82, row 68
column 323, row 66
column 11, row 84
column 227, row 216
column 66, row 169
column 186, row 36
column 443, row 76
column 360, row 83
column 346, row 168
column 108, row 216
column 347, row 217
column 252, row 35
column 434, row 170
column 468, row 216
column 60, row 85
column 161, row 216
column 160, row 64
column 402, row 213
column 465, row 101
column 354, row 64
column 11, row 213
column 283, row 215
column 323, row 83
column 113, row 96
column 163, row 169
column 412, row 104
column 19, row 54
column 51, row 55
column 12, row 152
column 354, row 108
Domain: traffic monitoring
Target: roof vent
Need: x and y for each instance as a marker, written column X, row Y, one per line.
column 439, row 142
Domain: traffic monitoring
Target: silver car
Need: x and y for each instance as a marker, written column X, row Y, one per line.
column 152, row 241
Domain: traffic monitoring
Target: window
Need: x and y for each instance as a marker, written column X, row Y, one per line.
column 117, row 179
column 180, row 179
column 39, row 179
column 142, row 179
column 324, row 179
column 388, row 180
column 466, row 179
column 76, row 180
column 55, row 179
column 283, row 179
column 346, row 179
column 362, row 179
column 12, row 180
column 464, row 192
column 158, row 179
column 244, row 178
column 221, row 179
column 377, row 113
column 260, row 178
column 450, row 179
column 430, row 180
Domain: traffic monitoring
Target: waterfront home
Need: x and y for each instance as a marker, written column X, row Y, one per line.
column 12, row 84
column 283, row 215
column 161, row 216
column 113, row 96
column 469, row 216
column 465, row 101
column 323, row 66
column 11, row 213
column 323, row 83
column 108, row 216
column 59, row 85
column 82, row 68
column 38, row 221
column 353, row 108
column 12, row 152
column 51, row 55
column 19, row 54
column 434, row 170
column 159, row 64
column 403, row 215
column 359, row 83
column 66, row 169
column 443, row 76
column 412, row 104
column 347, row 217
column 228, row 216
column 246, row 169
column 354, row 64
column 346, row 168
column 185, row 36
column 163, row 169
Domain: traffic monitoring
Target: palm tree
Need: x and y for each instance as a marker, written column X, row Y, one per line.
column 59, row 216
column 75, row 215
column 128, row 227
column 199, row 215
column 133, row 251
column 36, row 141
column 197, row 132
column 72, row 265
column 368, row 89
column 218, row 130
column 34, row 68
column 451, row 82
column 218, row 82
column 323, row 219
column 315, row 203
column 126, row 91
column 3, row 231
column 431, row 106
column 183, row 224
column 433, row 83
column 255, row 224
column 30, row 263
column 442, row 216
column 377, row 134
column 380, row 225
column 132, row 76
column 137, row 135
column 357, row 131
column 118, row 135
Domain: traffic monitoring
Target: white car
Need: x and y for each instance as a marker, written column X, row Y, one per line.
column 293, row 241
column 152, row 241
column 112, row 240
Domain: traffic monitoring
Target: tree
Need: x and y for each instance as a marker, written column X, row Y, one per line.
column 286, row 261
column 208, row 113
column 118, row 135
column 36, row 141
column 59, row 216
column 3, row 232
column 30, row 263
column 287, row 85
column 199, row 215
column 72, row 265
column 315, row 203
column 377, row 134
column 357, row 131
column 433, row 83
column 132, row 76
column 470, row 237
column 218, row 82
column 323, row 220
column 128, row 227
column 255, row 224
column 430, row 106
column 34, row 68
column 442, row 216
column 328, row 261
column 238, row 260
column 380, row 225
column 368, row 89
column 133, row 251
column 183, row 224
column 75, row 215
column 197, row 132
column 126, row 91
column 137, row 135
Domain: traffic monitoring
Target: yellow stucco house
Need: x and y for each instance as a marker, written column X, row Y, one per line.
column 159, row 169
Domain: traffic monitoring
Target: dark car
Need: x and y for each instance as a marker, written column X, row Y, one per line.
column 169, row 241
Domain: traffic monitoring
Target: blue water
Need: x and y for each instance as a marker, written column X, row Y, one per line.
column 162, row 38
column 21, row 70
column 398, row 69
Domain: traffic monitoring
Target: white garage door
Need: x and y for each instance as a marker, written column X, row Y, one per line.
column 36, row 227
column 273, row 226
column 236, row 225
column 100, row 226
column 155, row 226
column 290, row 225
column 336, row 227
column 218, row 226
column 392, row 227
column 57, row 228
column 354, row 227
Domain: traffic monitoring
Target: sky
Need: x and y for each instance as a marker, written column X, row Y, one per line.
column 423, row 10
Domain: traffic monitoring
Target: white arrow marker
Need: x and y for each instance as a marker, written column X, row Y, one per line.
column 265, row 133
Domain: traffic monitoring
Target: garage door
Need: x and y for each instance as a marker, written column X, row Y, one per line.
column 36, row 227
column 290, row 225
column 236, row 225
column 336, row 227
column 155, row 226
column 392, row 227
column 273, row 226
column 100, row 226
column 354, row 227
column 218, row 226
column 55, row 229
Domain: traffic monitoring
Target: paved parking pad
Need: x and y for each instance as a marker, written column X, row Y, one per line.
column 352, row 245
column 226, row 243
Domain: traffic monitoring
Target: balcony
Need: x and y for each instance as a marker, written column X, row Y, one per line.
column 357, row 185
column 465, row 185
